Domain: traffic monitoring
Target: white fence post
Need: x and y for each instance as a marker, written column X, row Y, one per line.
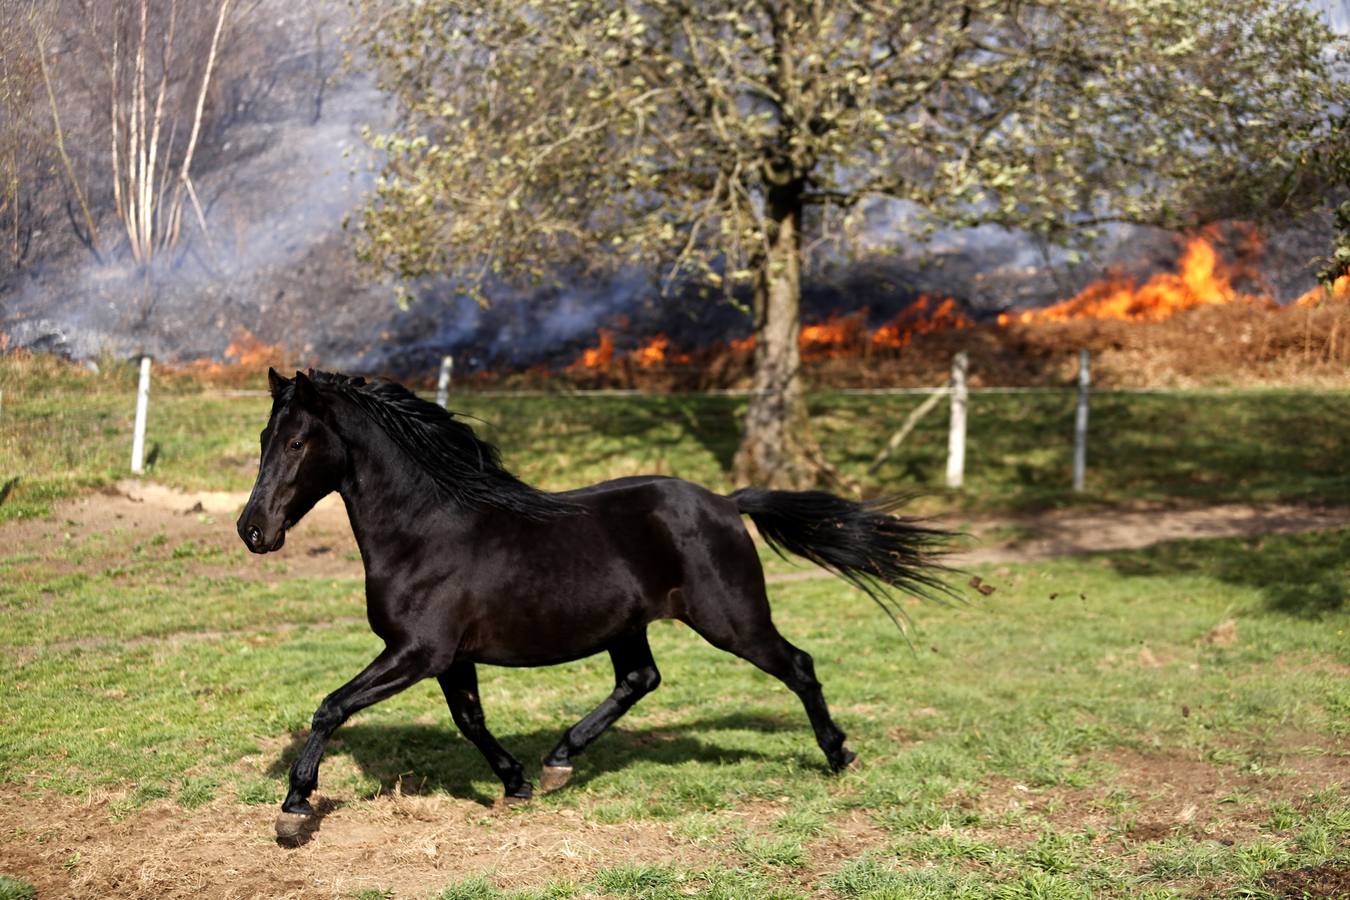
column 956, row 434
column 443, row 382
column 1080, row 423
column 142, row 406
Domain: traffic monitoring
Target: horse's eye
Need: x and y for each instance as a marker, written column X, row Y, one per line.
column 297, row 445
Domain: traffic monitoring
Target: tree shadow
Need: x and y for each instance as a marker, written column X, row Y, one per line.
column 1289, row 446
column 416, row 759
column 710, row 421
column 1299, row 575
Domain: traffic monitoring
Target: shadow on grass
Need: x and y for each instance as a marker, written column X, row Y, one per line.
column 594, row 431
column 429, row 758
column 1228, row 448
column 1302, row 575
column 711, row 422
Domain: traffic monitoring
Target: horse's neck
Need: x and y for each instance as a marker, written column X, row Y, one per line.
column 386, row 494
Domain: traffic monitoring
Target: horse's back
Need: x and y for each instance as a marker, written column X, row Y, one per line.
column 641, row 548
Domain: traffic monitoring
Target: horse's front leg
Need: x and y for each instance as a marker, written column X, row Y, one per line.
column 390, row 672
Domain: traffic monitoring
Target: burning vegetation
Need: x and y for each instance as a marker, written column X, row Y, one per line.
column 1210, row 319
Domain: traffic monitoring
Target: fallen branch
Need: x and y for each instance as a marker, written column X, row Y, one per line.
column 910, row 422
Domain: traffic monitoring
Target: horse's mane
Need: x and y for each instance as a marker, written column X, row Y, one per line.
column 467, row 469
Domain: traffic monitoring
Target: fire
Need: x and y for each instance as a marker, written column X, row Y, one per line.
column 1202, row 279
column 243, row 358
column 835, row 337
column 247, row 350
column 840, row 336
column 916, row 319
column 1340, row 290
column 598, row 357
column 656, row 352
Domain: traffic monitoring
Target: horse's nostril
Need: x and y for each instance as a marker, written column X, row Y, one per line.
column 254, row 536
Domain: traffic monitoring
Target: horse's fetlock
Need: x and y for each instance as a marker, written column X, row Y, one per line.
column 302, row 782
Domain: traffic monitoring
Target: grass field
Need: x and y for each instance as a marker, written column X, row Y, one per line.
column 1170, row 722
column 1081, row 732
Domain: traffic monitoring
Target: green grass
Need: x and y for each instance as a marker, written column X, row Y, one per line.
column 64, row 430
column 1013, row 696
column 15, row 889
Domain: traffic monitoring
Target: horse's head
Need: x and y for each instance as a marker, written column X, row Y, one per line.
column 302, row 461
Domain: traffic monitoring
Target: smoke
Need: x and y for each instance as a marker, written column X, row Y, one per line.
column 287, row 165
column 1337, row 13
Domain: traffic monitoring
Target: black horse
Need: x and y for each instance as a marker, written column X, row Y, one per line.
column 467, row 564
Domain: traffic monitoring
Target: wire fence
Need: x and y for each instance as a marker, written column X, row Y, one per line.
column 1026, row 444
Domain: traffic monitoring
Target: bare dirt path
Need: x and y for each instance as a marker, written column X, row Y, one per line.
column 1073, row 532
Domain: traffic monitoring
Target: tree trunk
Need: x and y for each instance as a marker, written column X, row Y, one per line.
column 777, row 449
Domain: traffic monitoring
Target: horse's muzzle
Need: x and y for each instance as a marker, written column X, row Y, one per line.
column 253, row 538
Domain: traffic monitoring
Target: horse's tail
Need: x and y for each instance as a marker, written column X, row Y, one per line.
column 863, row 543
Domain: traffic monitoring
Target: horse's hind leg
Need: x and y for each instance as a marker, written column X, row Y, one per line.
column 460, row 684
column 747, row 630
column 635, row 676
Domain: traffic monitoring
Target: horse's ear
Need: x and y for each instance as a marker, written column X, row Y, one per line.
column 306, row 394
column 275, row 383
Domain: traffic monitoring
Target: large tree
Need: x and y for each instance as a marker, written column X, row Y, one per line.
column 701, row 139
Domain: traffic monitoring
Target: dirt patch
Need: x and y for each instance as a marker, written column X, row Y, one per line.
column 411, row 845
column 321, row 546
column 1156, row 796
column 1073, row 532
column 1309, row 882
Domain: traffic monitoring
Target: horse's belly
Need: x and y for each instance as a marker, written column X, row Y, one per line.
column 540, row 633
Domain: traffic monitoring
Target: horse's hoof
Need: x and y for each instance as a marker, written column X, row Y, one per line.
column 554, row 777
column 848, row 762
column 507, row 800
column 293, row 826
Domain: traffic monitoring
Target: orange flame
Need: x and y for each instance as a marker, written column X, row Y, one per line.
column 1203, row 279
column 915, row 319
column 243, row 357
column 847, row 335
column 1340, row 290
column 249, row 351
column 599, row 357
column 656, row 352
column 835, row 337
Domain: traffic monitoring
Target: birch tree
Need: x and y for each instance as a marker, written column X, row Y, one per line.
column 154, row 137
column 22, row 161
column 704, row 139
